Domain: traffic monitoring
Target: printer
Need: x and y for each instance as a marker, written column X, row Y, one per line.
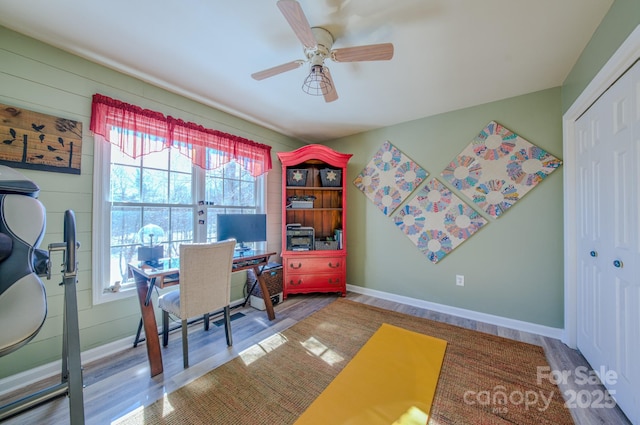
column 300, row 238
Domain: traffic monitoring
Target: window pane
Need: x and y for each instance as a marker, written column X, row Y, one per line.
column 173, row 250
column 232, row 170
column 159, row 160
column 181, row 225
column 213, row 190
column 235, row 211
column 119, row 259
column 180, row 190
column 218, row 172
column 212, row 220
column 117, row 157
column 160, row 217
column 231, row 193
column 245, row 175
column 155, row 185
column 247, row 193
column 179, row 162
column 125, row 184
column 125, row 224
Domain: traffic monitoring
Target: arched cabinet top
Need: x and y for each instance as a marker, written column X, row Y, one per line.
column 315, row 152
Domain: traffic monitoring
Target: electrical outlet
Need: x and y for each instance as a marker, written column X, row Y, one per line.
column 460, row 280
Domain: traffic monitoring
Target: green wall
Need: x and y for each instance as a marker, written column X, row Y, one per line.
column 513, row 266
column 623, row 17
column 41, row 78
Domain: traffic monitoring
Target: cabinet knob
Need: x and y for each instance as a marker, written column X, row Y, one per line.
column 293, row 283
column 293, row 266
column 336, row 266
column 593, row 254
column 335, row 281
column 617, row 264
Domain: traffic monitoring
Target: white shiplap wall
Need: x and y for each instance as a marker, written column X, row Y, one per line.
column 41, row 78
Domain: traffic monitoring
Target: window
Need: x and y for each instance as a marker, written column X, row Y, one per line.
column 166, row 190
column 155, row 170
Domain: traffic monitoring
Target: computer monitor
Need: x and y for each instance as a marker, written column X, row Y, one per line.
column 243, row 228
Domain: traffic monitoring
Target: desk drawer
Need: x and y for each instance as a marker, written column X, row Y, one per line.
column 333, row 265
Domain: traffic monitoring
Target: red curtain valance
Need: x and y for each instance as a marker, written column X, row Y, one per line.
column 142, row 131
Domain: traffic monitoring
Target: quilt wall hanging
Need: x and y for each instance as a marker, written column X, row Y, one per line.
column 389, row 178
column 39, row 141
column 437, row 221
column 498, row 168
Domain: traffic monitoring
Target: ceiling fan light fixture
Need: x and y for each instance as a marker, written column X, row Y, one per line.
column 317, row 82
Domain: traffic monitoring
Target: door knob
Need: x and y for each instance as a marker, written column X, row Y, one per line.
column 593, row 254
column 617, row 264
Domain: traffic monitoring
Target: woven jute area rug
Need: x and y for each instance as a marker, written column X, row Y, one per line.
column 484, row 379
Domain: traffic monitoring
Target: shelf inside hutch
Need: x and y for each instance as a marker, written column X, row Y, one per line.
column 326, row 214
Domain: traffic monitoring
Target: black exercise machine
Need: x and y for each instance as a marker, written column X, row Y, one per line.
column 23, row 301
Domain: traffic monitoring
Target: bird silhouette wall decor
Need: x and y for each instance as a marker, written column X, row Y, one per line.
column 38, row 141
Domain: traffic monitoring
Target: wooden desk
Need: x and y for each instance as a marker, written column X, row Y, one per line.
column 168, row 274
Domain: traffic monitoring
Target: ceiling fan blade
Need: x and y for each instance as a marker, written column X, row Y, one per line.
column 298, row 21
column 333, row 94
column 370, row 52
column 261, row 75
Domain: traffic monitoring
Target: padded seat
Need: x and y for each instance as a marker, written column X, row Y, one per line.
column 171, row 303
column 23, row 310
column 23, row 300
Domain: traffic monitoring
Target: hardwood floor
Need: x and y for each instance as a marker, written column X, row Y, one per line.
column 118, row 385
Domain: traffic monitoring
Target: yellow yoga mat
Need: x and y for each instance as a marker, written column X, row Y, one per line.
column 391, row 380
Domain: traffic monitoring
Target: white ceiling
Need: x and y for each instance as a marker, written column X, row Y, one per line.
column 449, row 54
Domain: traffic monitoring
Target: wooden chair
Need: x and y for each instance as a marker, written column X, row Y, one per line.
column 205, row 286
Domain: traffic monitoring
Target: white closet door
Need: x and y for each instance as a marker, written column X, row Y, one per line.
column 594, row 305
column 609, row 239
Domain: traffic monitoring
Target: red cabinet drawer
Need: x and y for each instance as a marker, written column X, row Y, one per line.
column 318, row 281
column 315, row 265
column 307, row 273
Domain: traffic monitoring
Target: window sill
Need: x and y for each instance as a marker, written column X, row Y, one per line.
column 108, row 296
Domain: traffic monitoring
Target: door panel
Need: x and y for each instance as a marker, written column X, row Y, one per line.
column 608, row 200
column 592, row 248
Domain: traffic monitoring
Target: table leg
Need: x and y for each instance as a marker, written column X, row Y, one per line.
column 150, row 326
column 151, row 283
column 265, row 294
column 137, row 340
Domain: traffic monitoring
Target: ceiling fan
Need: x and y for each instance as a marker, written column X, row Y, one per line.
column 318, row 44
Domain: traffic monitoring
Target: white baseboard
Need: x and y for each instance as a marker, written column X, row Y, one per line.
column 31, row 376
column 463, row 313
